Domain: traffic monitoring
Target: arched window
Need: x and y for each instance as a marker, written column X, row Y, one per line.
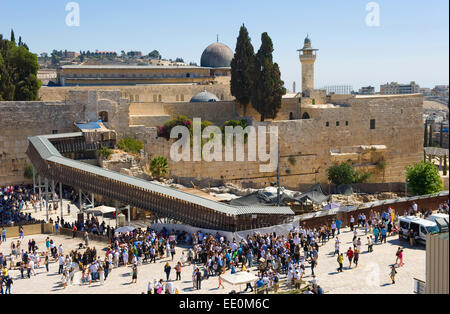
column 306, row 116
column 103, row 115
column 291, row 116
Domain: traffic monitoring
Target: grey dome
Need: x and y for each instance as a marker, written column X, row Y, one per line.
column 204, row 97
column 217, row 55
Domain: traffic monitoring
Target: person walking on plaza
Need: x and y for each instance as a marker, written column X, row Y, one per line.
column 8, row 283
column 356, row 257
column 333, row 228
column 336, row 246
column 352, row 222
column 383, row 234
column 198, row 278
column 350, row 256
column 338, row 225
column 86, row 239
column 74, row 231
column 340, row 261
column 399, row 259
column 392, row 274
column 167, row 269
column 220, row 283
column 178, row 271
column 134, row 273
column 3, row 234
column 376, row 233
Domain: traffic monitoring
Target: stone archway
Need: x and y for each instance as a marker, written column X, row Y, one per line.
column 306, row 116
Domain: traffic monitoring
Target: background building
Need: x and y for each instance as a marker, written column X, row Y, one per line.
column 338, row 89
column 367, row 90
column 395, row 89
column 215, row 63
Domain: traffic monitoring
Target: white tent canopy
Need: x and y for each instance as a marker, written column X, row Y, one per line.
column 101, row 210
column 239, row 278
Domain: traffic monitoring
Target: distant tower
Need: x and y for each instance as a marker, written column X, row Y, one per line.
column 293, row 87
column 307, row 58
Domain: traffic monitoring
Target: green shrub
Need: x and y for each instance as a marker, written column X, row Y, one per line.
column 159, row 166
column 381, row 164
column 28, row 171
column 292, row 160
column 346, row 174
column 105, row 152
column 130, row 145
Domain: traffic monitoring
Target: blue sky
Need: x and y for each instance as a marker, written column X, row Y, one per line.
column 411, row 43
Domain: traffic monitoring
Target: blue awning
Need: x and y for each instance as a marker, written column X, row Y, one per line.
column 89, row 126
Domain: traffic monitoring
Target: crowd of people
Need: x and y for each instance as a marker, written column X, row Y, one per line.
column 273, row 258
column 12, row 200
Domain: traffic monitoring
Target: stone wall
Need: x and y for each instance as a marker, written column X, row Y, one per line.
column 334, row 133
column 18, row 121
column 308, row 147
column 145, row 93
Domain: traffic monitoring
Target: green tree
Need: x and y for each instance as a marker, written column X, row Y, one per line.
column 18, row 72
column 159, row 166
column 423, row 178
column 154, row 55
column 267, row 87
column 241, row 69
column 13, row 38
column 346, row 174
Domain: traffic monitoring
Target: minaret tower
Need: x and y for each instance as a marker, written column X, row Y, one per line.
column 307, row 58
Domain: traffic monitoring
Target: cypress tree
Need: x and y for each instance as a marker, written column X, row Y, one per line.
column 241, row 69
column 13, row 38
column 430, row 144
column 425, row 137
column 268, row 87
column 444, row 172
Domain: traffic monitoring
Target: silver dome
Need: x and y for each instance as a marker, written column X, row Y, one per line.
column 217, row 55
column 204, row 97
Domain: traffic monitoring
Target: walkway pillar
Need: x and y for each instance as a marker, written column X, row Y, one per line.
column 46, row 197
column 61, row 199
column 53, row 195
column 34, row 179
column 40, row 194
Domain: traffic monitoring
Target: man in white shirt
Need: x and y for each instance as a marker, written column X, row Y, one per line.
column 415, row 208
column 336, row 246
column 61, row 264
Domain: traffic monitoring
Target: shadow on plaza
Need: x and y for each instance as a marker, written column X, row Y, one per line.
column 405, row 244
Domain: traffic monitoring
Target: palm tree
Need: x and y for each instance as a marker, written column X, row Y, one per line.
column 159, row 167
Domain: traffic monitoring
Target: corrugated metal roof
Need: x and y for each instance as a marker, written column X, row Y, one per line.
column 49, row 152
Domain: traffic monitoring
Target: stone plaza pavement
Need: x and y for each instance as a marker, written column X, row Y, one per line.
column 371, row 276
